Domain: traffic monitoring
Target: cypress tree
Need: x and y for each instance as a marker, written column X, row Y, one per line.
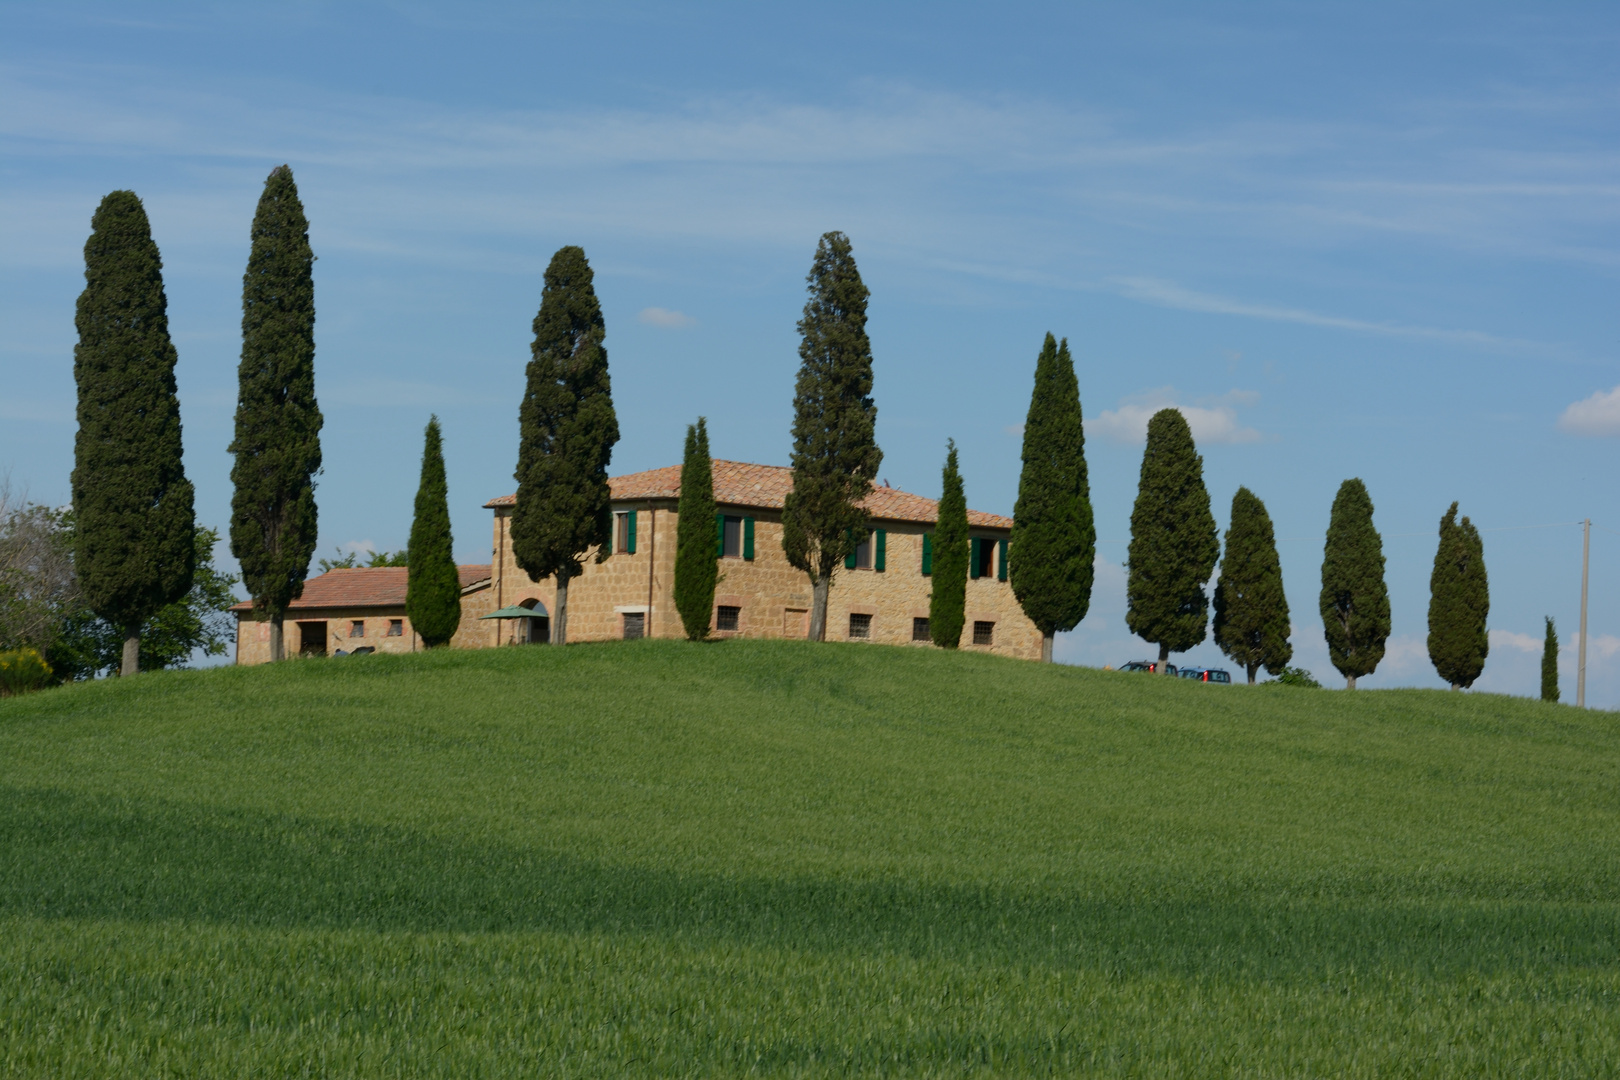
column 947, row 598
column 135, row 551
column 1251, row 609
column 695, row 566
column 1054, row 540
column 1355, row 600
column 433, row 596
column 1459, row 601
column 568, row 428
column 1549, row 663
column 278, row 423
column 835, row 451
column 1174, row 542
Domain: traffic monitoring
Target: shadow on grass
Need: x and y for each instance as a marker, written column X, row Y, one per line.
column 74, row 857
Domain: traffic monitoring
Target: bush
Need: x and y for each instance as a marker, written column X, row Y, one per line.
column 22, row 670
column 1293, row 676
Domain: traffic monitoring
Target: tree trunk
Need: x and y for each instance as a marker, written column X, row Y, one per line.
column 559, row 618
column 278, row 646
column 132, row 651
column 820, row 589
column 1164, row 659
column 1046, row 647
column 1456, row 686
column 1349, row 682
column 1253, row 668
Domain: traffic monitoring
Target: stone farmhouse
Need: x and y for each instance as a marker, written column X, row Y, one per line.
column 880, row 595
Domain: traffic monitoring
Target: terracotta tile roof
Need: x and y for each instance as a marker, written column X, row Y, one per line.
column 738, row 483
column 365, row 586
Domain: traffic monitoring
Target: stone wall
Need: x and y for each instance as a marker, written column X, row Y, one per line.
column 253, row 638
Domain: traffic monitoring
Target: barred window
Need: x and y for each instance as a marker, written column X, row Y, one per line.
column 725, row 617
column 984, row 633
column 860, row 627
column 919, row 630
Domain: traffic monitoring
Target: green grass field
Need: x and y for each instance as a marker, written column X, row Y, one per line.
column 774, row 858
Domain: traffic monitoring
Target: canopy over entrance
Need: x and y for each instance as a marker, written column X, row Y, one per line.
column 536, row 612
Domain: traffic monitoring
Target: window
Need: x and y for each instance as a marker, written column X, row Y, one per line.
column 624, row 532
column 730, row 537
column 396, row 627
column 725, row 618
column 919, row 630
column 635, row 625
column 863, row 554
column 984, row 633
column 860, row 627
column 357, row 628
column 984, row 553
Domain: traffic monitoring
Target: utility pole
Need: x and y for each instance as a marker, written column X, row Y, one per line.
column 1580, row 664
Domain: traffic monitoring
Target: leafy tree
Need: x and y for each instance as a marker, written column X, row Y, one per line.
column 1174, row 542
column 278, row 423
column 201, row 621
column 350, row 560
column 1294, row 676
column 1251, row 609
column 433, row 592
column 947, row 598
column 37, row 584
column 835, row 451
column 1459, row 601
column 1549, row 663
column 131, row 500
column 1355, row 600
column 696, row 568
column 1054, row 540
column 568, row 428
column 389, row 558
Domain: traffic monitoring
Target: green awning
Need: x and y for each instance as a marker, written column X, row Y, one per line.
column 536, row 612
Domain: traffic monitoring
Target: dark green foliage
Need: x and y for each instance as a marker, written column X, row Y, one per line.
column 1054, row 540
column 132, row 502
column 695, row 565
column 1549, row 663
column 278, row 424
column 375, row 558
column 835, row 451
column 1251, row 609
column 1294, row 676
column 568, row 429
column 1355, row 600
column 1459, row 602
column 947, row 598
column 86, row 646
column 433, row 598
column 1174, row 542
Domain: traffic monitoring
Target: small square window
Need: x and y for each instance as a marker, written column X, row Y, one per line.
column 919, row 630
column 396, row 627
column 357, row 628
column 860, row 627
column 984, row 633
column 731, row 537
column 725, row 618
column 987, row 558
column 635, row 625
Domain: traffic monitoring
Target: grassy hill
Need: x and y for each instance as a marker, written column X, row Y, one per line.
column 652, row 858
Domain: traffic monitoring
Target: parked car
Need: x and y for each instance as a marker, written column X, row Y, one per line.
column 1146, row 665
column 1206, row 674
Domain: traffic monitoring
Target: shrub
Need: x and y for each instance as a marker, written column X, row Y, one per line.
column 1294, row 676
column 22, row 670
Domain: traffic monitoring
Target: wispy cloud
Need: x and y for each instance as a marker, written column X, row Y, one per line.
column 665, row 319
column 1213, row 421
column 1596, row 415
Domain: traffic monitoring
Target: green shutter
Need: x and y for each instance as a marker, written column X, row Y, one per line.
column 748, row 538
column 719, row 536
column 928, row 554
column 630, row 535
column 973, row 557
column 849, row 538
column 1001, row 560
column 882, row 542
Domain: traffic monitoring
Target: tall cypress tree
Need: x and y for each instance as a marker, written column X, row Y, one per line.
column 1459, row 602
column 433, row 597
column 835, row 451
column 134, row 533
column 695, row 565
column 278, row 423
column 1174, row 542
column 568, row 428
column 1549, row 663
column 1054, row 540
column 1355, row 600
column 1251, row 609
column 947, row 598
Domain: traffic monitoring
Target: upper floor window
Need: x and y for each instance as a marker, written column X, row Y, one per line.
column 869, row 553
column 863, row 554
column 357, row 628
column 624, row 532
column 734, row 536
column 986, row 555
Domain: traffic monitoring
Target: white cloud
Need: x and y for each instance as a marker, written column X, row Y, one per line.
column 1403, row 654
column 665, row 318
column 1214, row 421
column 1596, row 415
column 1602, row 647
column 1507, row 639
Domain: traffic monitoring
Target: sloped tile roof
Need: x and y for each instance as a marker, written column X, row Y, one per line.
column 738, row 483
column 366, row 586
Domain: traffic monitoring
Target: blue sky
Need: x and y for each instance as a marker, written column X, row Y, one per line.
column 1350, row 240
